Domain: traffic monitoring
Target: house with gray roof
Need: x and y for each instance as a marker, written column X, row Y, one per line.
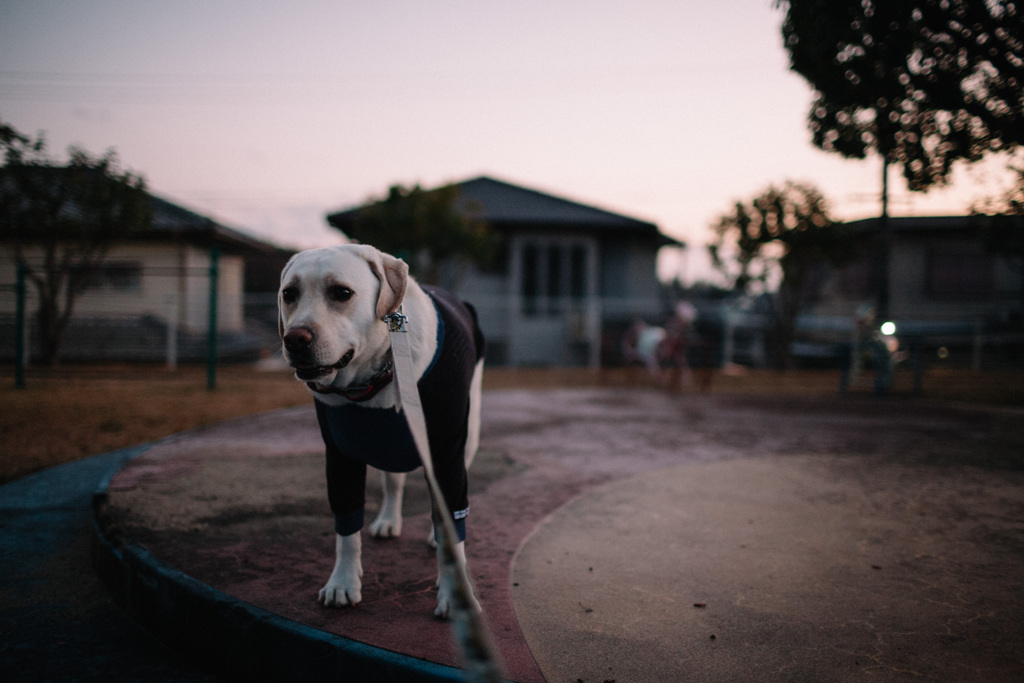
column 568, row 274
column 150, row 298
column 939, row 269
column 949, row 283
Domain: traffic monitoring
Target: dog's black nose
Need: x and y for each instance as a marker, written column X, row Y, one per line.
column 298, row 339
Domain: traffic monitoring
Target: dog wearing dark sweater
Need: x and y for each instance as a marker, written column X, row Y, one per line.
column 331, row 304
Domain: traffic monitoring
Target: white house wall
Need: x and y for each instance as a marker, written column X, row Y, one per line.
column 194, row 290
column 563, row 330
column 488, row 293
column 174, row 279
column 549, row 330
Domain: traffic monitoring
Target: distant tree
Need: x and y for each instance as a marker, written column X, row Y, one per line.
column 1004, row 233
column 780, row 236
column 1010, row 203
column 61, row 220
column 923, row 83
column 428, row 228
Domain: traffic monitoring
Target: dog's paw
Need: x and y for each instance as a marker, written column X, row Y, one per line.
column 386, row 526
column 341, row 595
column 343, row 588
column 446, row 598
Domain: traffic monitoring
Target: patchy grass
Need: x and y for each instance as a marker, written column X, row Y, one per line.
column 68, row 413
column 72, row 412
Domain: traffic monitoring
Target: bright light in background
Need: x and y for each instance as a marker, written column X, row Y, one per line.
column 888, row 328
column 268, row 116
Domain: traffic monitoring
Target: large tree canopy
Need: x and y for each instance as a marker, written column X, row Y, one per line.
column 61, row 219
column 924, row 83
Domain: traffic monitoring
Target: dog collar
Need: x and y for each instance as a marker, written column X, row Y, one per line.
column 363, row 392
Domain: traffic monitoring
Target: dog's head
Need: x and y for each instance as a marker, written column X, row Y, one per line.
column 331, row 306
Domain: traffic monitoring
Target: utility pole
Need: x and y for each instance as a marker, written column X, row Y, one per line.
column 884, row 247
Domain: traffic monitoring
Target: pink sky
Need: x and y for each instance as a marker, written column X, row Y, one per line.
column 267, row 115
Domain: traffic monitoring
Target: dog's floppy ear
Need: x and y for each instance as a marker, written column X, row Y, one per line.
column 280, row 307
column 393, row 274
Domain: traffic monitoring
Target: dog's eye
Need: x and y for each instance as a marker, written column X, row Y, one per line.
column 339, row 293
column 289, row 295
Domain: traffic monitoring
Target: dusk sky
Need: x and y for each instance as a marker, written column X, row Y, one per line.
column 267, row 115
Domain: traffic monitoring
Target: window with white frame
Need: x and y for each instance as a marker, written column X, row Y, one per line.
column 554, row 276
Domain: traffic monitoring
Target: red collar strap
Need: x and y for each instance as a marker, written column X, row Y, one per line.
column 363, row 392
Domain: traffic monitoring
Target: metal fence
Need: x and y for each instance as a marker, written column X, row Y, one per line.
column 158, row 315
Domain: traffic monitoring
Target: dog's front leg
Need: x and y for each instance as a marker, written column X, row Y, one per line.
column 345, row 587
column 446, row 583
column 389, row 521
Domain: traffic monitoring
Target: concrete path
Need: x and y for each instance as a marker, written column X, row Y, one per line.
column 614, row 535
column 782, row 568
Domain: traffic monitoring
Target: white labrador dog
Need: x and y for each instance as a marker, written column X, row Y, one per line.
column 332, row 302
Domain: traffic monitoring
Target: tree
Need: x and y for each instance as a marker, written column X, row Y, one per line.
column 61, row 220
column 923, row 83
column 782, row 235
column 1010, row 203
column 429, row 229
column 1004, row 232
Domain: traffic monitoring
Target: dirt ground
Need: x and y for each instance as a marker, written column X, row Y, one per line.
column 72, row 412
column 824, row 537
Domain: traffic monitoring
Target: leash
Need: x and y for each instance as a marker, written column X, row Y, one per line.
column 478, row 654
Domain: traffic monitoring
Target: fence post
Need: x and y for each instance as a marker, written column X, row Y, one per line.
column 20, row 328
column 728, row 337
column 172, row 332
column 211, row 335
column 979, row 339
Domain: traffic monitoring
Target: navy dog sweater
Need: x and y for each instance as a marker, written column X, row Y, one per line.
column 355, row 436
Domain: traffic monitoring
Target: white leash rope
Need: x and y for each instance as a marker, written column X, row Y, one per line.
column 478, row 654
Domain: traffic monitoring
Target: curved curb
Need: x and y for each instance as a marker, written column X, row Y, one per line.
column 228, row 636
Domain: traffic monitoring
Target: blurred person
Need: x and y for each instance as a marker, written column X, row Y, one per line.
column 640, row 346
column 672, row 349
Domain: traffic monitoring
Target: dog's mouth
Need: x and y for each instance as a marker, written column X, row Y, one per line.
column 314, row 372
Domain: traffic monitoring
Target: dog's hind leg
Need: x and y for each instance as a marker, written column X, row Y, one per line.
column 389, row 521
column 473, row 426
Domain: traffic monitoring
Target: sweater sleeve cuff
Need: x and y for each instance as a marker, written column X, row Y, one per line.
column 459, row 520
column 348, row 523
